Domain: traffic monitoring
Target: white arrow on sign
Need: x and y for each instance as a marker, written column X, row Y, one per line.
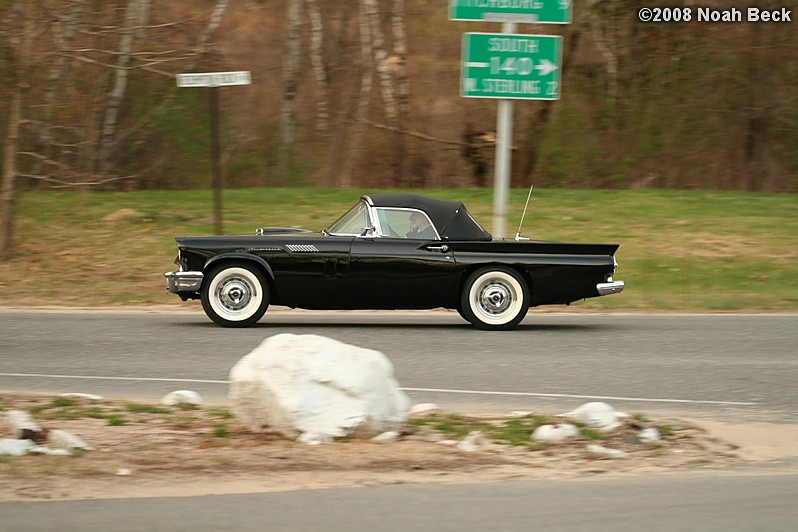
column 546, row 67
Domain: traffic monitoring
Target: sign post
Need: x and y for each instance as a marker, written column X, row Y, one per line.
column 214, row 80
column 509, row 67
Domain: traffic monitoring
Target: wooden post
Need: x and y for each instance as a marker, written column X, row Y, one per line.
column 216, row 163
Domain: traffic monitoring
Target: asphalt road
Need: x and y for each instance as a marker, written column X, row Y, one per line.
column 729, row 366
column 705, row 504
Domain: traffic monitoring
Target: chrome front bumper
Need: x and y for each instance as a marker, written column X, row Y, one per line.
column 183, row 281
column 612, row 287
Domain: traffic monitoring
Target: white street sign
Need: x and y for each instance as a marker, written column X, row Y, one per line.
column 214, row 79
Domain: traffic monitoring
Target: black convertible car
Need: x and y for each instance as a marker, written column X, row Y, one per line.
column 389, row 251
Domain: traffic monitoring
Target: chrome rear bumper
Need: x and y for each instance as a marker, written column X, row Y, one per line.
column 183, row 281
column 613, row 287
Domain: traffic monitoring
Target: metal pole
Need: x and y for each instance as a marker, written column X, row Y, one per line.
column 504, row 142
column 216, row 164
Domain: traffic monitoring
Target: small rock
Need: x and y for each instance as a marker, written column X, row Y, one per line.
column 450, row 443
column 388, row 436
column 62, row 439
column 472, row 442
column 23, row 426
column 123, row 472
column 181, row 397
column 87, row 396
column 649, row 435
column 423, row 408
column 602, row 453
column 597, row 415
column 555, row 433
column 519, row 413
column 15, row 447
column 40, row 449
column 314, row 438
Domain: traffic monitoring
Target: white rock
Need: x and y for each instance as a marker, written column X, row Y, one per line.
column 519, row 413
column 388, row 436
column 451, row 443
column 601, row 452
column 15, row 447
column 423, row 408
column 87, row 396
column 649, row 435
column 123, row 472
column 555, row 433
column 22, row 425
column 181, row 397
column 472, row 442
column 40, row 449
column 314, row 438
column 62, row 439
column 296, row 384
column 596, row 415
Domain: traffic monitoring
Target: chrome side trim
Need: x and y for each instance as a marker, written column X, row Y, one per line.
column 305, row 248
column 614, row 287
column 183, row 281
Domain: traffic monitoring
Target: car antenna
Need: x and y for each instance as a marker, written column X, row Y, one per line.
column 518, row 236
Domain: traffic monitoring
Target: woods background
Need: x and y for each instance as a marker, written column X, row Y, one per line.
column 366, row 93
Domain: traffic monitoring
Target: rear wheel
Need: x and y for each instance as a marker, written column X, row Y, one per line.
column 495, row 298
column 235, row 294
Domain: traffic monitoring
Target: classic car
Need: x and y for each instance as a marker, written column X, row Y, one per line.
column 389, row 251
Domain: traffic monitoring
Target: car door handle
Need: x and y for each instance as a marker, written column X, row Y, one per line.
column 443, row 248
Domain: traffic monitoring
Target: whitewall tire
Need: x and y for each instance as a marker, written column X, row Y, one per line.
column 495, row 298
column 235, row 294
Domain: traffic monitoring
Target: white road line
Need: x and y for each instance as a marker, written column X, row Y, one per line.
column 95, row 377
column 569, row 396
column 432, row 390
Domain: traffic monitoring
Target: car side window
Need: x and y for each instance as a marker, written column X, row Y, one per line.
column 406, row 223
column 352, row 222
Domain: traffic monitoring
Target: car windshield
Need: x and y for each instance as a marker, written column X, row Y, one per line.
column 353, row 222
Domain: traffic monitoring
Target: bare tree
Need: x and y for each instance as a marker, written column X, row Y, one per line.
column 136, row 16
column 317, row 61
column 366, row 79
column 290, row 83
column 19, row 54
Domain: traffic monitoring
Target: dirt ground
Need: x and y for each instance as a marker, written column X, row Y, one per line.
column 184, row 452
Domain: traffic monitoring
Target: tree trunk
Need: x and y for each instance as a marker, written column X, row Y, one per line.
column 64, row 30
column 402, row 84
column 367, row 75
column 385, row 76
column 20, row 57
column 136, row 15
column 317, row 60
column 290, row 82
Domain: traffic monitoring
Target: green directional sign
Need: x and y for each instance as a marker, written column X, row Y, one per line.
column 501, row 65
column 526, row 11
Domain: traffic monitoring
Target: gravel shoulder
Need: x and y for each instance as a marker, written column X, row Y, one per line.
column 201, row 451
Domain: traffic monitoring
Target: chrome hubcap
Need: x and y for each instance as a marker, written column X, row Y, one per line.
column 234, row 294
column 495, row 298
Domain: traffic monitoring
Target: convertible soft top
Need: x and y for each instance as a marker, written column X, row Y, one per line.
column 451, row 218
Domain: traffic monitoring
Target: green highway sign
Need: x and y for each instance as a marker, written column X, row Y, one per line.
column 502, row 65
column 525, row 11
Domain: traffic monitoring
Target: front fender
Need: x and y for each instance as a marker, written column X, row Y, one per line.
column 238, row 256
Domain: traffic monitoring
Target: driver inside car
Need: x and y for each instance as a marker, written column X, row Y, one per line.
column 420, row 227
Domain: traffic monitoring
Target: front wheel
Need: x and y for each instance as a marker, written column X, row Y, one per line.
column 495, row 298
column 235, row 295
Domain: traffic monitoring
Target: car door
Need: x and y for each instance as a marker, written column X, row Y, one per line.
column 399, row 273
column 310, row 272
